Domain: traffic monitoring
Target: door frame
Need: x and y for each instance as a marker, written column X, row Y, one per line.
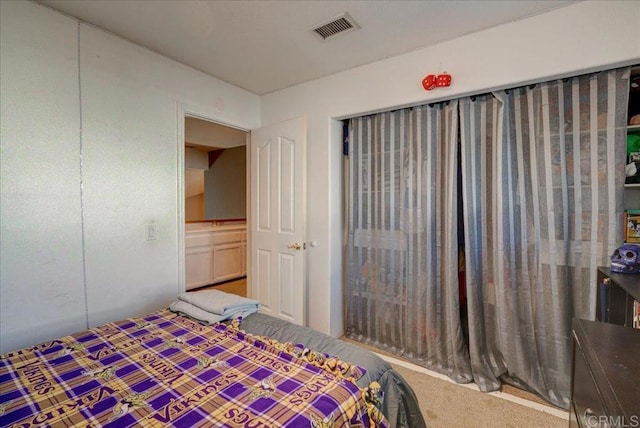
column 182, row 112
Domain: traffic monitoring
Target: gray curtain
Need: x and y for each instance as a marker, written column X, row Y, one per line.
column 543, row 177
column 402, row 238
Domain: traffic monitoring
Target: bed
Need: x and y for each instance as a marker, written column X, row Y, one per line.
column 399, row 403
column 166, row 369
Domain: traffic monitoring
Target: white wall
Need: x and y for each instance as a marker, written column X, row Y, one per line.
column 196, row 158
column 583, row 37
column 225, row 185
column 41, row 274
column 71, row 90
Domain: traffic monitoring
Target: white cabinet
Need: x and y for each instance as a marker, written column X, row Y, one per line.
column 198, row 259
column 215, row 254
column 227, row 255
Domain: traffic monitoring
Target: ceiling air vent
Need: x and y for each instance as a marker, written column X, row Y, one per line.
column 339, row 25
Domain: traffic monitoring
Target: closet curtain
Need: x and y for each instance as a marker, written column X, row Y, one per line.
column 543, row 178
column 402, row 237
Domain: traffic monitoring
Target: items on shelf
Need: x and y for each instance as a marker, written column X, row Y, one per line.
column 632, row 226
column 632, row 169
column 626, row 259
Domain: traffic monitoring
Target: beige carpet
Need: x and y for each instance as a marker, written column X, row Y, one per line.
column 448, row 405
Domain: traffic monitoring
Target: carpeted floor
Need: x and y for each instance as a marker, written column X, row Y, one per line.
column 445, row 404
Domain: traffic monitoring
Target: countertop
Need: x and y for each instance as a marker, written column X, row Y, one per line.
column 202, row 227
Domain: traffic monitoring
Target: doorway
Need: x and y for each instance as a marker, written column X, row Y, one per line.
column 215, row 171
column 213, row 250
column 215, row 204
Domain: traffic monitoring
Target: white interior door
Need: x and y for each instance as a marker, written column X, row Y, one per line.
column 277, row 221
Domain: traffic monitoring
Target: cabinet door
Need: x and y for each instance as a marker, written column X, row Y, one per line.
column 198, row 267
column 197, row 260
column 227, row 261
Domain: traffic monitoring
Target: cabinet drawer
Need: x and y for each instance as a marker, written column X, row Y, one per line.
column 227, row 237
column 197, row 239
column 586, row 398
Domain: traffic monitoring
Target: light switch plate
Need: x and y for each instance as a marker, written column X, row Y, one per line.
column 151, row 232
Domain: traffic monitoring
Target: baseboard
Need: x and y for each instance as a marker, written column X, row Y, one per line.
column 563, row 414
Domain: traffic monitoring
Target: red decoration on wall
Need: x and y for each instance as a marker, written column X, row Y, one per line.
column 432, row 81
column 429, row 82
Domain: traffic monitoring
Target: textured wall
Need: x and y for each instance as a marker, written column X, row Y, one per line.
column 90, row 157
column 225, row 185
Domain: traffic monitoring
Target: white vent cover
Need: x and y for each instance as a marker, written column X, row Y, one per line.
column 339, row 25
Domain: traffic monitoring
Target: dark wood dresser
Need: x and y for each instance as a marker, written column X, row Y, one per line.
column 605, row 389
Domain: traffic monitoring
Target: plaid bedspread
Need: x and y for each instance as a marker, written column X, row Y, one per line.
column 167, row 370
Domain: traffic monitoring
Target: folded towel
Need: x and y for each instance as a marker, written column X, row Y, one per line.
column 194, row 312
column 219, row 302
column 203, row 316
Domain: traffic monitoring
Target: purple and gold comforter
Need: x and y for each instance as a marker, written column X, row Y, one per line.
column 167, row 370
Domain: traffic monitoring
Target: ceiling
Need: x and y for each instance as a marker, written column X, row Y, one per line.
column 264, row 46
column 205, row 135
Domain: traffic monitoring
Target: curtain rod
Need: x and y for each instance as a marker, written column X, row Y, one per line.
column 473, row 97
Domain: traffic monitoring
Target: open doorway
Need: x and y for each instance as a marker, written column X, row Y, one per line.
column 215, row 206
